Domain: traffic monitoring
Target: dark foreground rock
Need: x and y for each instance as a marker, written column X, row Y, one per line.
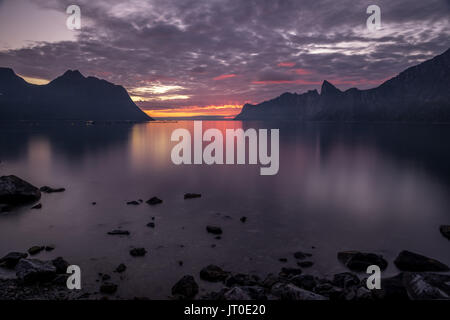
column 186, row 288
column 47, row 189
column 360, row 261
column 37, row 207
column 154, row 201
column 61, row 265
column 119, row 233
column 35, row 250
column 410, row 261
column 12, row 259
column 16, row 191
column 138, row 252
column 213, row 273
column 445, row 231
column 121, row 268
column 33, row 270
column 214, row 230
column 291, row 292
column 427, row 286
column 192, row 195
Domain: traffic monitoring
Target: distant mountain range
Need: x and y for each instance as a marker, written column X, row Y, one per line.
column 69, row 97
column 418, row 94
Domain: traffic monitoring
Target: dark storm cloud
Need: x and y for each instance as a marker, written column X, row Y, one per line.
column 183, row 45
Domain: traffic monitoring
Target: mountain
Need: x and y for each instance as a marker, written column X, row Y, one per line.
column 69, row 97
column 420, row 93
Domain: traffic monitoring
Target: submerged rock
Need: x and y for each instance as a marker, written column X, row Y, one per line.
column 138, row 252
column 121, row 268
column 154, row 201
column 302, row 255
column 185, row 288
column 213, row 273
column 360, row 261
column 214, row 229
column 192, row 195
column 243, row 219
column 33, row 270
column 290, row 271
column 35, row 250
column 410, row 261
column 11, row 259
column 151, row 224
column 305, row 264
column 16, row 191
column 47, row 189
column 133, row 203
column 119, row 233
column 445, row 231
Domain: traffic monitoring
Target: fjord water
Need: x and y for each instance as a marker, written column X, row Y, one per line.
column 380, row 188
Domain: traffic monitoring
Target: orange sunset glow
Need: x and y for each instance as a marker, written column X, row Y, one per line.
column 228, row 111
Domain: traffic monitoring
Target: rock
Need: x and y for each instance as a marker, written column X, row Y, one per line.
column 151, row 224
column 360, row 261
column 291, row 271
column 445, row 231
column 106, row 277
column 214, row 229
column 16, row 191
column 302, row 255
column 427, row 286
column 61, row 280
column 270, row 280
column 284, row 260
column 305, row 264
column 61, row 265
column 36, row 207
column 5, row 209
column 241, row 279
column 185, row 288
column 108, row 288
column 121, row 268
column 94, row 203
column 154, row 201
column 119, row 233
column 33, row 270
column 35, row 250
column 49, row 248
column 345, row 280
column 328, row 290
column 213, row 273
column 392, row 289
column 138, row 252
column 243, row 219
column 292, row 292
column 47, row 189
column 192, row 195
column 409, row 261
column 11, row 259
column 306, row 282
column 236, row 294
column 357, row 293
column 133, row 203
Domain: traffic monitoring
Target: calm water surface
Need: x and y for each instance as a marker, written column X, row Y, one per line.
column 378, row 188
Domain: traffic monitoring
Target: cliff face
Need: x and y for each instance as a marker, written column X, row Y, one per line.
column 420, row 93
column 69, row 97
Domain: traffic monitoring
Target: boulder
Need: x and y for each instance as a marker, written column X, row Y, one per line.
column 35, row 250
column 410, row 261
column 360, row 261
column 214, row 229
column 33, row 270
column 292, row 292
column 61, row 265
column 392, row 289
column 427, row 286
column 16, row 191
column 47, row 189
column 236, row 294
column 241, row 279
column 154, row 201
column 213, row 273
column 121, row 268
column 11, row 259
column 186, row 288
column 445, row 231
column 345, row 280
column 307, row 282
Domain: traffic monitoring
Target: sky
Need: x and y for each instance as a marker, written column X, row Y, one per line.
column 182, row 58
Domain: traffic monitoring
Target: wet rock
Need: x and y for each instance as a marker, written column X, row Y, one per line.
column 151, row 224
column 133, row 203
column 154, row 201
column 236, row 294
column 410, row 261
column 427, row 286
column 328, row 290
column 243, row 219
column 290, row 271
column 119, row 233
column 445, row 231
column 121, row 268
column 305, row 264
column 270, row 280
column 49, row 248
column 5, row 209
column 284, row 260
column 241, row 279
column 16, row 191
column 106, row 277
column 61, row 280
column 213, row 273
column 94, row 203
column 47, row 189
column 37, row 207
column 302, row 255
column 138, row 252
column 345, row 280
column 60, row 264
column 185, row 288
column 358, row 294
column 360, row 261
column 108, row 288
column 192, row 195
column 35, row 250
column 392, row 289
column 292, row 292
column 11, row 259
column 214, row 229
column 307, row 282
column 33, row 270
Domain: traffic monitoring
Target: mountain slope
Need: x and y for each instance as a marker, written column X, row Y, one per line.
column 69, row 97
column 420, row 93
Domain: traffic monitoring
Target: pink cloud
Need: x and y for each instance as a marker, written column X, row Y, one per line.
column 224, row 76
column 286, row 64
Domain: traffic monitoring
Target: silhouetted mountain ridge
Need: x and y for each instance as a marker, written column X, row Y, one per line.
column 68, row 97
column 420, row 93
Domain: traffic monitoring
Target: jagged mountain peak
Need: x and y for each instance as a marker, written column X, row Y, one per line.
column 328, row 87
